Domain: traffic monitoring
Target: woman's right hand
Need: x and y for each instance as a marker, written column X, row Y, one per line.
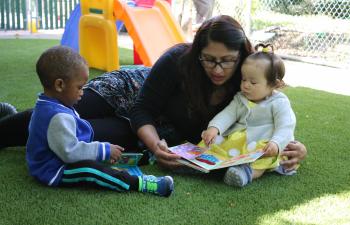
column 148, row 134
column 164, row 157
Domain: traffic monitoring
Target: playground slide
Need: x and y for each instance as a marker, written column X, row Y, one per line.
column 153, row 30
column 70, row 36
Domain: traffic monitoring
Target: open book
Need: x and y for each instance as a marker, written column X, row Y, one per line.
column 207, row 159
column 128, row 162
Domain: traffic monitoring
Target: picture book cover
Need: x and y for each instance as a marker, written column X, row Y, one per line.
column 128, row 162
column 206, row 159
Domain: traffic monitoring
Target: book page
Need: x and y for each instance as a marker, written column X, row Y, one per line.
column 197, row 155
column 213, row 158
column 187, row 150
column 241, row 159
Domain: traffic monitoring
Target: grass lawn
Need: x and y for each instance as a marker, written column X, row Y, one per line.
column 318, row 194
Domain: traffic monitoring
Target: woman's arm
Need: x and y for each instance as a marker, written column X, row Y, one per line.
column 157, row 91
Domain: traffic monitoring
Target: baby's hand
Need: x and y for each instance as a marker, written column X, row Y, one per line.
column 209, row 135
column 116, row 153
column 270, row 149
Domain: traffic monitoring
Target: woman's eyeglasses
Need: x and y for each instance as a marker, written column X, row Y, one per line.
column 211, row 64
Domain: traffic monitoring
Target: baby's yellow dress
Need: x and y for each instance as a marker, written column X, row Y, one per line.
column 236, row 144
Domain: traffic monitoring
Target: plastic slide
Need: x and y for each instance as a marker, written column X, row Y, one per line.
column 98, row 42
column 147, row 3
column 70, row 35
column 153, row 30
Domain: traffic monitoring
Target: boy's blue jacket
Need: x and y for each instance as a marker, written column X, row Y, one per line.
column 57, row 135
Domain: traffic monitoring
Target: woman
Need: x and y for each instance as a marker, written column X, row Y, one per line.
column 185, row 88
column 189, row 84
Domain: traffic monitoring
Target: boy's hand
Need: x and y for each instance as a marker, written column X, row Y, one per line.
column 116, row 152
column 270, row 149
column 209, row 135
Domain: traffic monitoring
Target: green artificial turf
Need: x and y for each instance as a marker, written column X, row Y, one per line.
column 318, row 194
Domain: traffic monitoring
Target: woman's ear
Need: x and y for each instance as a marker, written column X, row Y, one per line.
column 59, row 85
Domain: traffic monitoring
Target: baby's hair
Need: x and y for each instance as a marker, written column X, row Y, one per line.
column 58, row 62
column 277, row 70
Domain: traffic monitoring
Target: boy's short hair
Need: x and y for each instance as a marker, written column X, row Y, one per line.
column 58, row 62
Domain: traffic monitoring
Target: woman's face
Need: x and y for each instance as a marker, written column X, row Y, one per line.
column 219, row 62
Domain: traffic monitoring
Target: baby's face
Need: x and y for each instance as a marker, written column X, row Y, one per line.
column 254, row 84
column 73, row 89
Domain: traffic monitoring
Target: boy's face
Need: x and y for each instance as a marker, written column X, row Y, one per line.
column 73, row 88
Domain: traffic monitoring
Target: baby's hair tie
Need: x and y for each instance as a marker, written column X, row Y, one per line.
column 265, row 49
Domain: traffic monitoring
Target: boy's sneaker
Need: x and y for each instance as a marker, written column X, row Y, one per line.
column 239, row 176
column 6, row 109
column 162, row 186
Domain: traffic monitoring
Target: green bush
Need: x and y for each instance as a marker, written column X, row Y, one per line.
column 335, row 8
column 290, row 7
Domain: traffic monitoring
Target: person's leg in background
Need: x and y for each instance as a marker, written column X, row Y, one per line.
column 106, row 124
column 92, row 107
column 6, row 109
column 204, row 10
column 14, row 129
column 116, row 131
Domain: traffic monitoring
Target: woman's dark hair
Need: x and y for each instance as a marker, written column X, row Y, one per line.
column 197, row 86
column 276, row 70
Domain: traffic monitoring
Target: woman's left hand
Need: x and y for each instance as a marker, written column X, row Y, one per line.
column 295, row 152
